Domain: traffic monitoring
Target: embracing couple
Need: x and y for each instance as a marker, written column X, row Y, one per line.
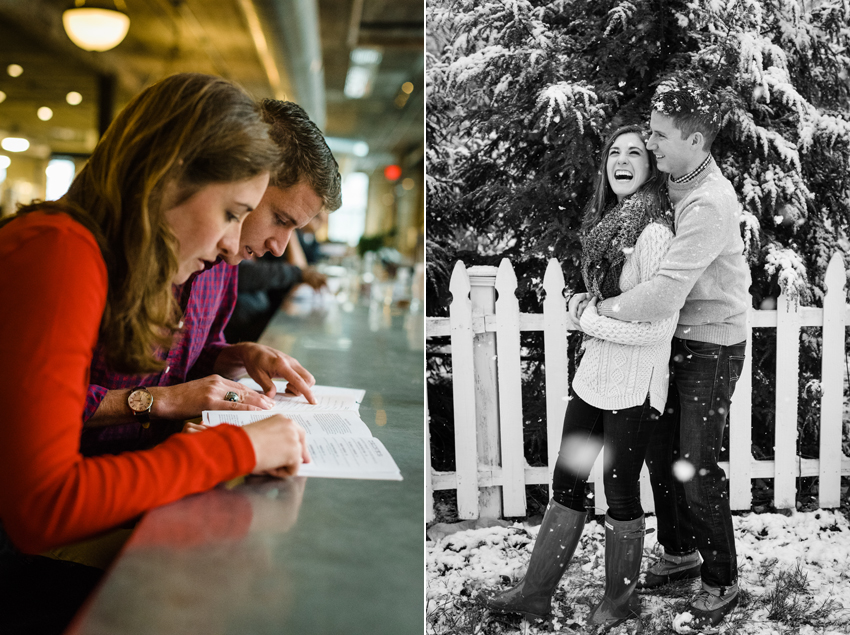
column 662, row 259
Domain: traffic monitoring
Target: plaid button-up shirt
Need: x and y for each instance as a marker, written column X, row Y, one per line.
column 207, row 299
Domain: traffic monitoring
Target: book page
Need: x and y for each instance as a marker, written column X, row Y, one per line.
column 314, row 423
column 327, row 397
column 349, row 457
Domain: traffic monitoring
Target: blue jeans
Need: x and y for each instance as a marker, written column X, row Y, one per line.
column 625, row 433
column 695, row 514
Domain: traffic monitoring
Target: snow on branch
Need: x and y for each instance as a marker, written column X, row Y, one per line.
column 750, row 228
column 832, row 128
column 767, row 187
column 621, row 14
column 777, row 79
column 746, row 129
column 569, row 100
column 790, row 270
column 469, row 68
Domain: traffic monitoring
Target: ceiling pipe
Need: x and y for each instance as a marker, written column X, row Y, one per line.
column 292, row 32
column 354, row 23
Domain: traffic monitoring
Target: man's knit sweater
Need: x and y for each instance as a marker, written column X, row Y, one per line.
column 624, row 362
column 704, row 275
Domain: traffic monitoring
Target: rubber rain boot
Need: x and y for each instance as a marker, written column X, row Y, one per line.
column 556, row 542
column 623, row 553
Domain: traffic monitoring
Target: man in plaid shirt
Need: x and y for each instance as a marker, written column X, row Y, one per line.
column 200, row 364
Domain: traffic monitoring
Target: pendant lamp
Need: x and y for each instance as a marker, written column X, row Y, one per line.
column 95, row 25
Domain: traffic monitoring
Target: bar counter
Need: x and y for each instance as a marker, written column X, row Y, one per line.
column 303, row 556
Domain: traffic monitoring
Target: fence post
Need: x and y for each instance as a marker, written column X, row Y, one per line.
column 787, row 370
column 463, row 393
column 482, row 280
column 832, row 376
column 510, row 392
column 556, row 360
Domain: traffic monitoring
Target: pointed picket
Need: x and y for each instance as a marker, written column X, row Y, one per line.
column 647, row 500
column 510, row 391
column 463, row 398
column 556, row 360
column 787, row 369
column 832, row 381
column 740, row 431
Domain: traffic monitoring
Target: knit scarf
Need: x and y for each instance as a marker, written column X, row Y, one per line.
column 604, row 247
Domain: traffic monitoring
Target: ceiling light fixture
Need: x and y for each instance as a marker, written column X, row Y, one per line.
column 74, row 98
column 14, row 70
column 44, row 113
column 2, row 96
column 5, row 162
column 94, row 25
column 15, row 144
column 362, row 72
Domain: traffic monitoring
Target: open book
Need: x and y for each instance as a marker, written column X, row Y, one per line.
column 340, row 443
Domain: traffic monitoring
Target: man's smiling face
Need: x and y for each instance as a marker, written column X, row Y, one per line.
column 672, row 153
column 270, row 226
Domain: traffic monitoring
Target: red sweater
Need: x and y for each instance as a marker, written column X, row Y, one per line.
column 53, row 292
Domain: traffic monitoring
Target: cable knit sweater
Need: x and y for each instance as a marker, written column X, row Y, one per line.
column 626, row 361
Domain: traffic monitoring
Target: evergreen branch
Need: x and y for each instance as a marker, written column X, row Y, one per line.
column 722, row 47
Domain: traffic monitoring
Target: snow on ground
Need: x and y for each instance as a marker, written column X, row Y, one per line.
column 794, row 575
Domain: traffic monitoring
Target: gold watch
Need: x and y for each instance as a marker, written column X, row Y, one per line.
column 141, row 402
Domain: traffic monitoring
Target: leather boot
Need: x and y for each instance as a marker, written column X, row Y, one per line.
column 623, row 553
column 670, row 568
column 556, row 542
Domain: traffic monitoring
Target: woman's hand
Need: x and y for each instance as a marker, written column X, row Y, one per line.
column 280, row 446
column 577, row 305
column 184, row 401
column 188, row 426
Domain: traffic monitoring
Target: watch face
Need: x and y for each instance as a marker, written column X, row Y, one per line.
column 140, row 400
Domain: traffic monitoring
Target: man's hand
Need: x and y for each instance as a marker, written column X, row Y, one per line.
column 578, row 303
column 590, row 307
column 280, row 446
column 184, row 401
column 263, row 363
column 315, row 279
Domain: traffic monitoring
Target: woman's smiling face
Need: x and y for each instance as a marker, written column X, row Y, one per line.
column 627, row 164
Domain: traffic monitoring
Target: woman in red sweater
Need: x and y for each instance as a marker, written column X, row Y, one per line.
column 164, row 194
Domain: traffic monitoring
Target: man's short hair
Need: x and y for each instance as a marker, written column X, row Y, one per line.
column 691, row 106
column 305, row 153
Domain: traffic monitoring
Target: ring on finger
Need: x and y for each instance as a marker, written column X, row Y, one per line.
column 231, row 396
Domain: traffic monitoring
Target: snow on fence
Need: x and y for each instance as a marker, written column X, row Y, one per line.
column 491, row 472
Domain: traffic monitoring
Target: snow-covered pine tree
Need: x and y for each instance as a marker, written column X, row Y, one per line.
column 521, row 94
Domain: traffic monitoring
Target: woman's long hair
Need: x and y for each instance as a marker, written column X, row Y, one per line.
column 188, row 129
column 603, row 196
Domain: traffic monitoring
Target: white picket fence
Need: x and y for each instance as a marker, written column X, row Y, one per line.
column 491, row 470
